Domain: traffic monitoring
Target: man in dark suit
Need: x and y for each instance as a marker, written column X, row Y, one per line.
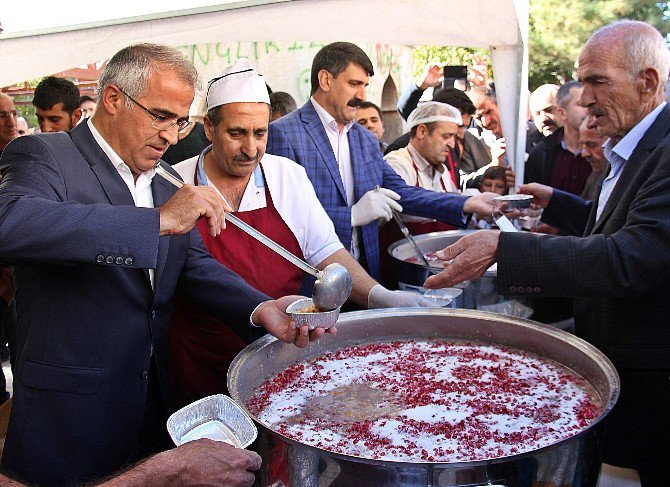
column 342, row 159
column 618, row 270
column 100, row 246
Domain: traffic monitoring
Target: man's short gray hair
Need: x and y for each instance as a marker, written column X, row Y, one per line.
column 644, row 48
column 131, row 67
column 563, row 95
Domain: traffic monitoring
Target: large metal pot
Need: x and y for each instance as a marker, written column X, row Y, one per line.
column 479, row 293
column 566, row 463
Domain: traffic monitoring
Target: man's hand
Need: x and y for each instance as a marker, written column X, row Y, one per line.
column 180, row 213
column 272, row 315
column 510, row 177
column 196, row 463
column 541, row 193
column 472, row 254
column 380, row 297
column 432, row 77
column 482, row 205
column 544, row 228
column 375, row 204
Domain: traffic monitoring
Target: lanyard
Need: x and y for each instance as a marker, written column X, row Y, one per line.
column 416, row 169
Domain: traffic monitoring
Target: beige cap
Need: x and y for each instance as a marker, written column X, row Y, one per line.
column 239, row 83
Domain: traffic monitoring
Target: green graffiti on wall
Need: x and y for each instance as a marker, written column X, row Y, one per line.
column 204, row 54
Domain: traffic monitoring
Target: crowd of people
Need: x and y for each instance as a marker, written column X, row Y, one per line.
column 125, row 298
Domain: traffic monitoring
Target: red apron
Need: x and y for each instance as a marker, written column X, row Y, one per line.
column 202, row 347
column 390, row 233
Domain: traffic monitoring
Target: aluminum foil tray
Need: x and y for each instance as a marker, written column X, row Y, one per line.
column 515, row 201
column 215, row 417
column 298, row 312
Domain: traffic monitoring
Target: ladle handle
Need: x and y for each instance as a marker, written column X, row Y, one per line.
column 273, row 245
column 246, row 228
column 410, row 239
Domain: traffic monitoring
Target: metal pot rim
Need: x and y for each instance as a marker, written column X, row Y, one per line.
column 575, row 342
column 423, row 241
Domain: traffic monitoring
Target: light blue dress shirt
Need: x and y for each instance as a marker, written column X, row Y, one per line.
column 618, row 154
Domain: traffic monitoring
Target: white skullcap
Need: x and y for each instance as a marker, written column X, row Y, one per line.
column 434, row 111
column 239, row 83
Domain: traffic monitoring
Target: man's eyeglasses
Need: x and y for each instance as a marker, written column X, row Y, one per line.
column 6, row 115
column 160, row 122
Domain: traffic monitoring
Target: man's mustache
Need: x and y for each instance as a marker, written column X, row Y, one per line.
column 242, row 157
column 355, row 102
column 549, row 123
column 597, row 112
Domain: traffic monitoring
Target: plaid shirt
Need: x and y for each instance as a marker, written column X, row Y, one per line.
column 301, row 137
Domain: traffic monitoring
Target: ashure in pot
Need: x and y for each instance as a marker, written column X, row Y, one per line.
column 566, row 462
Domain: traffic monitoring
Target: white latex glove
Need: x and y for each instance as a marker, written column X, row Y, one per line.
column 375, row 204
column 380, row 297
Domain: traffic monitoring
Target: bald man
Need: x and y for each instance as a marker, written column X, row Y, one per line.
column 617, row 271
column 8, row 128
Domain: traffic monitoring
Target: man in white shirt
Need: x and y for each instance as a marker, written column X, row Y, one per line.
column 423, row 163
column 99, row 247
column 355, row 185
column 426, row 162
column 618, row 270
column 273, row 195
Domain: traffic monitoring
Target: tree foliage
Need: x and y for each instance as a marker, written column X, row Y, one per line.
column 24, row 107
column 557, row 31
column 559, row 28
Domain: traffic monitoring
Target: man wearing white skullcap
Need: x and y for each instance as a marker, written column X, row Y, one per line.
column 272, row 194
column 425, row 162
column 433, row 127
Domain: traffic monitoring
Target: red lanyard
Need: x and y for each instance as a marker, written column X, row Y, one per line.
column 416, row 169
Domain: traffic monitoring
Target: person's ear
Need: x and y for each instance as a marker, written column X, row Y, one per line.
column 76, row 116
column 325, row 79
column 560, row 115
column 648, row 81
column 112, row 99
column 209, row 128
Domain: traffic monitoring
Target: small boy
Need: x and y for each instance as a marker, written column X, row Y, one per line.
column 493, row 180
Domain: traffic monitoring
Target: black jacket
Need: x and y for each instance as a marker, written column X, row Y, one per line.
column 541, row 159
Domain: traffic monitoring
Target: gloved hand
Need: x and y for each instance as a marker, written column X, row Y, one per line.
column 376, row 203
column 380, row 297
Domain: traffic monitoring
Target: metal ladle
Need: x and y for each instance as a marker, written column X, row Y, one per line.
column 333, row 283
column 405, row 231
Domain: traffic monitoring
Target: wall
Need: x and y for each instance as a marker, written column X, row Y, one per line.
column 286, row 65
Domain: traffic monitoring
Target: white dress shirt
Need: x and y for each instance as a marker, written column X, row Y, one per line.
column 339, row 141
column 425, row 174
column 293, row 197
column 618, row 154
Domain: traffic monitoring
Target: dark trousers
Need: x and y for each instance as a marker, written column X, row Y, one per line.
column 154, row 437
column 637, row 431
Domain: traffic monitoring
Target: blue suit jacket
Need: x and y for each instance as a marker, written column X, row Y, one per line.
column 88, row 318
column 301, row 137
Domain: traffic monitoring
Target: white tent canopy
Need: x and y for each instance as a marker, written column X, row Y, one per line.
column 500, row 25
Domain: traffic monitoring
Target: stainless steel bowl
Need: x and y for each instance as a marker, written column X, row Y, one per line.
column 430, row 243
column 478, row 293
column 302, row 311
column 515, row 201
column 569, row 462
